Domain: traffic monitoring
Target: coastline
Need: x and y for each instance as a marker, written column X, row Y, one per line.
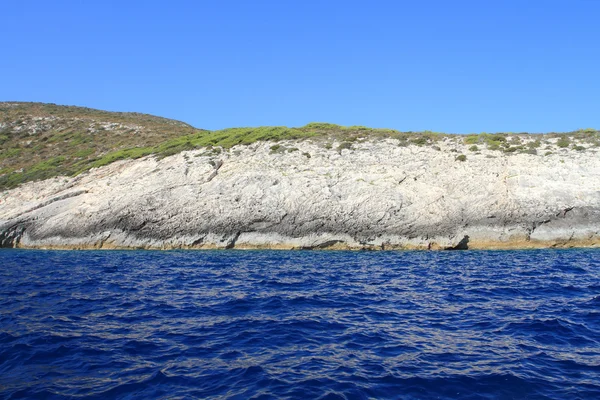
column 377, row 195
column 339, row 246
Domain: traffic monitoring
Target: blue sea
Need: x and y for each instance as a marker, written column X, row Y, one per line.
column 300, row 324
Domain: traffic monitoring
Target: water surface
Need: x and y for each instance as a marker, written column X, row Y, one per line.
column 285, row 324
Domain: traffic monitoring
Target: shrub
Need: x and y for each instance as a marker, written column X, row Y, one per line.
column 344, row 145
column 474, row 148
column 84, row 153
column 563, row 142
column 515, row 140
column 278, row 149
column 587, row 130
column 321, row 125
column 461, row 157
column 12, row 152
column 578, row 148
column 471, row 139
column 496, row 137
column 419, row 141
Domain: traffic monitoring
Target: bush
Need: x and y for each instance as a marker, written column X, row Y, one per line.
column 403, row 142
column 321, row 125
column 461, row 157
column 84, row 153
column 419, row 141
column 471, row 139
column 474, row 148
column 515, row 140
column 136, row 152
column 344, row 145
column 587, row 130
column 563, row 142
column 12, row 152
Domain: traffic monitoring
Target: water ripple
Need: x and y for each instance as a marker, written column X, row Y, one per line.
column 324, row 325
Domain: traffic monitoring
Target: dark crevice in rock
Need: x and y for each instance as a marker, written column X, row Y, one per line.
column 534, row 226
column 564, row 212
column 11, row 235
column 218, row 164
column 231, row 243
column 198, row 241
column 103, row 240
column 462, row 245
column 323, row 245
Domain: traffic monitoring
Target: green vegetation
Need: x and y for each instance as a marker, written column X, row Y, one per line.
column 471, row 139
column 344, row 146
column 563, row 142
column 39, row 141
column 42, row 170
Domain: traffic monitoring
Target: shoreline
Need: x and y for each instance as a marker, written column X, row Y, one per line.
column 515, row 245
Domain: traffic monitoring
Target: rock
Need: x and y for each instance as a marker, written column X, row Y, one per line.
column 373, row 195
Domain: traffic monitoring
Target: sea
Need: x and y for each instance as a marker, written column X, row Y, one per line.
column 236, row 324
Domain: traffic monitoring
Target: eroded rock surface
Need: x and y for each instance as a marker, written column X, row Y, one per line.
column 375, row 195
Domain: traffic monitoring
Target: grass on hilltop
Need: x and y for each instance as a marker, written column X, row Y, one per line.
column 39, row 141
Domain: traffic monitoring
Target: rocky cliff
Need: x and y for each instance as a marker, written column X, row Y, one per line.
column 372, row 193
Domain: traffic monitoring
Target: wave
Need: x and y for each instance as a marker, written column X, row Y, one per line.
column 267, row 324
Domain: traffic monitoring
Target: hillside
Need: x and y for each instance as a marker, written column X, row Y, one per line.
column 327, row 192
column 40, row 141
column 81, row 178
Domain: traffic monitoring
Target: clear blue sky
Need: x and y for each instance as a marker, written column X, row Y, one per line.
column 451, row 66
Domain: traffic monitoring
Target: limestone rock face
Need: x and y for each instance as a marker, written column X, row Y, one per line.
column 374, row 195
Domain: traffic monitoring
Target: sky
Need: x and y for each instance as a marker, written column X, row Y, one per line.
column 447, row 66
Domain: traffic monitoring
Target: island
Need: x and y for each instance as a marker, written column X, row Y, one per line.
column 78, row 178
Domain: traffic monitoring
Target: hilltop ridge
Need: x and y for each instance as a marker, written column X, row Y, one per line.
column 39, row 141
